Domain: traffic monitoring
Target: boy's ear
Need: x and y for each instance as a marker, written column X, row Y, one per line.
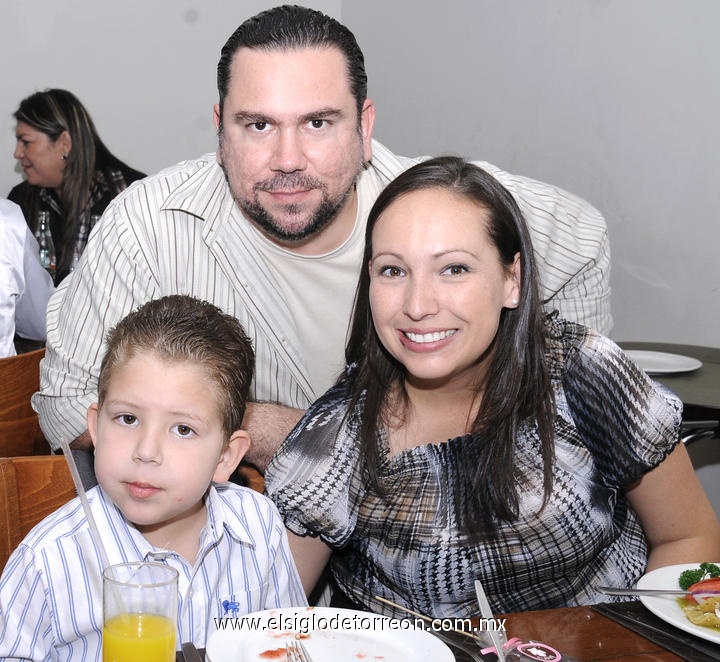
column 233, row 452
column 92, row 417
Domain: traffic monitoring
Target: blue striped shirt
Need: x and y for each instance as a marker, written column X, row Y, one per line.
column 51, row 587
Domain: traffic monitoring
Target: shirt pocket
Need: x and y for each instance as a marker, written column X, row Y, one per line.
column 253, row 598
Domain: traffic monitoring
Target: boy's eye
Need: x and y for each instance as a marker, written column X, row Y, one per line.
column 184, row 430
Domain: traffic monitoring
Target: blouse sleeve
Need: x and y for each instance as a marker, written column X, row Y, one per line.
column 313, row 478
column 629, row 422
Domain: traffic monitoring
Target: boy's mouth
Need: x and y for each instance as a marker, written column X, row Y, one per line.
column 142, row 490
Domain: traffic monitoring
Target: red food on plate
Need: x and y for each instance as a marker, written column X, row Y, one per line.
column 711, row 585
column 273, row 654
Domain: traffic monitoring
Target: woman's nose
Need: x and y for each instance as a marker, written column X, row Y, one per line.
column 420, row 298
column 18, row 153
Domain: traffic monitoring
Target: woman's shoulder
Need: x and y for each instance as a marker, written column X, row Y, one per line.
column 573, row 344
column 22, row 193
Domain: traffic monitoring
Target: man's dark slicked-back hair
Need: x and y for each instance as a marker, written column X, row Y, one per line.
column 290, row 27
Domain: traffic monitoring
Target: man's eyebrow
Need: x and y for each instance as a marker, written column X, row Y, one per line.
column 321, row 113
column 249, row 117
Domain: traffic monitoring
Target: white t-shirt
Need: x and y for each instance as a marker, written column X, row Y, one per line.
column 317, row 297
column 25, row 286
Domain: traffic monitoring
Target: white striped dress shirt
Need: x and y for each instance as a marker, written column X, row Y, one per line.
column 180, row 232
column 51, row 587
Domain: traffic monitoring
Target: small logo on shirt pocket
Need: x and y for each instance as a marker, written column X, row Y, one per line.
column 231, row 608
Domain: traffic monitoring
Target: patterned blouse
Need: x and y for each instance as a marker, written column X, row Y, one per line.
column 612, row 425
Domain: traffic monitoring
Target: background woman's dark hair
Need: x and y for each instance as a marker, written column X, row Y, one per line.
column 52, row 112
column 292, row 27
column 518, row 383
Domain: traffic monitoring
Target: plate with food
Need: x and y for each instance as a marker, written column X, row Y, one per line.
column 328, row 634
column 698, row 615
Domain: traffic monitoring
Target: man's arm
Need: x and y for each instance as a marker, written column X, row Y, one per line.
column 267, row 424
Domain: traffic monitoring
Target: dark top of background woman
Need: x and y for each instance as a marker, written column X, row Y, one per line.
column 69, row 171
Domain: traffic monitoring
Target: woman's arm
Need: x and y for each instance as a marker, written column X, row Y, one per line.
column 675, row 513
column 311, row 556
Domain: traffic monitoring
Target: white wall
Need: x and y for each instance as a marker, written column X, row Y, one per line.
column 616, row 100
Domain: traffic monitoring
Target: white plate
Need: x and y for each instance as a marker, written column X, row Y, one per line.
column 331, row 637
column 660, row 363
column 666, row 607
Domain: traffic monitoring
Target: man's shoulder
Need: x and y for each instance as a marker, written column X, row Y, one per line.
column 178, row 173
column 192, row 187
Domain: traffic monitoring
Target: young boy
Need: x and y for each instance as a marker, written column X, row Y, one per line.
column 166, row 430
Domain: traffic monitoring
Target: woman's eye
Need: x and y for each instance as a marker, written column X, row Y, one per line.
column 127, row 419
column 456, row 269
column 391, row 272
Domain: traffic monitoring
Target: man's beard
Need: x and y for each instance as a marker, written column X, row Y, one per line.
column 320, row 219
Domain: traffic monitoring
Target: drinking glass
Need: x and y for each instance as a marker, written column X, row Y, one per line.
column 139, row 612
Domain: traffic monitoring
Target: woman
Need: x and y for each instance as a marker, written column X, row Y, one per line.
column 474, row 438
column 69, row 171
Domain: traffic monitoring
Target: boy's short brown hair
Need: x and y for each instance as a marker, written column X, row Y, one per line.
column 183, row 328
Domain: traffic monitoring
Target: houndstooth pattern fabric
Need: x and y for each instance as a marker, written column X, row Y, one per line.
column 612, row 425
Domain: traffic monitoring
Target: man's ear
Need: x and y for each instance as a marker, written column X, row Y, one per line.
column 92, row 418
column 231, row 455
column 367, row 122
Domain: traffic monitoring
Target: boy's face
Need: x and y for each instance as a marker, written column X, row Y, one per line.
column 159, row 442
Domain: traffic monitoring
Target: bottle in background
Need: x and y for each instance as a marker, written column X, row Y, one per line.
column 48, row 258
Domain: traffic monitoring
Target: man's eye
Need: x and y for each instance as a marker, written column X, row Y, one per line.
column 318, row 124
column 259, row 126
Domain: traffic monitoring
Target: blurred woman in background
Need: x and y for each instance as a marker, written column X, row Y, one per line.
column 68, row 169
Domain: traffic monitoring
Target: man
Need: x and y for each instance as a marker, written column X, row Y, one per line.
column 271, row 230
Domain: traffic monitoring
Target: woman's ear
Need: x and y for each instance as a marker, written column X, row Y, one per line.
column 231, row 455
column 65, row 143
column 514, row 281
column 92, row 418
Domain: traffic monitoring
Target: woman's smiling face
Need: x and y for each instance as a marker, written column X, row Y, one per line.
column 438, row 286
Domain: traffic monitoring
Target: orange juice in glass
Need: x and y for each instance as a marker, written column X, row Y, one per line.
column 139, row 612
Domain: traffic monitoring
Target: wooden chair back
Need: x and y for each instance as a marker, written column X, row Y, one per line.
column 31, row 487
column 20, row 432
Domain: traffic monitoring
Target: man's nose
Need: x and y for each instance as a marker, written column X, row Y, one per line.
column 289, row 153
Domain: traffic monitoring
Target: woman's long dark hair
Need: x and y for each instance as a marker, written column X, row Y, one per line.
column 52, row 112
column 517, row 384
